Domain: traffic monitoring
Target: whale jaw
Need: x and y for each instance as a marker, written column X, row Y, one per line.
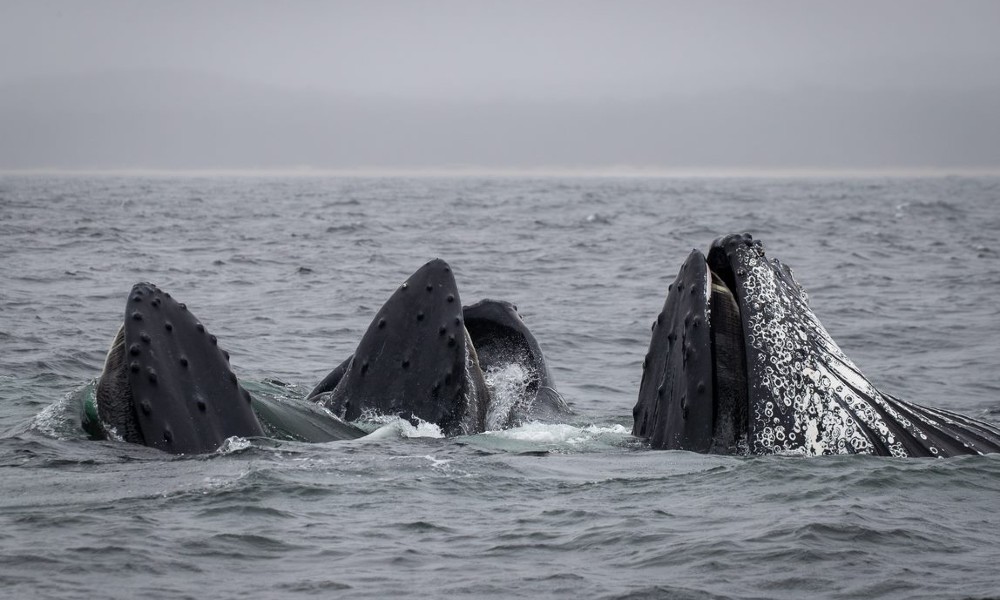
column 692, row 395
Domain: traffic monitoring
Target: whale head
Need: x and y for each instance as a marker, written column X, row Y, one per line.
column 739, row 362
column 416, row 360
column 166, row 382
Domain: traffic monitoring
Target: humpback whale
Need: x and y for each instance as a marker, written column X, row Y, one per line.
column 425, row 357
column 739, row 363
column 167, row 384
column 415, row 360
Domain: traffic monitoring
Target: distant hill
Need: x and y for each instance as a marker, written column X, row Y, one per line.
column 185, row 120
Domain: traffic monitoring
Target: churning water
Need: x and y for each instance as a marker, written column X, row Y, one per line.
column 904, row 273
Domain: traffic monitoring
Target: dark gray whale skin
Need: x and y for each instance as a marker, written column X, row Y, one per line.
column 501, row 338
column 777, row 383
column 294, row 419
column 167, row 384
column 497, row 337
column 675, row 408
column 415, row 360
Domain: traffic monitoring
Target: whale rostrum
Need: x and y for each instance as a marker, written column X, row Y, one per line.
column 167, row 383
column 415, row 360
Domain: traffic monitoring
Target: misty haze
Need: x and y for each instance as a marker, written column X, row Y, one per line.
column 500, row 86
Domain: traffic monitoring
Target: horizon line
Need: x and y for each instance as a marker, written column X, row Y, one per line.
column 521, row 172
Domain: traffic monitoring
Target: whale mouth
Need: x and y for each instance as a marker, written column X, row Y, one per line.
column 738, row 363
column 694, row 393
column 730, row 391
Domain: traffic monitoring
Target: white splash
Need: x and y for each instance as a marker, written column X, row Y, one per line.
column 393, row 427
column 559, row 433
column 56, row 419
column 436, row 463
column 234, row 444
column 51, row 417
column 508, row 385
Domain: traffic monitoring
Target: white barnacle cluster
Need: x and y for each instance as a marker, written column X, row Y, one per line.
column 810, row 398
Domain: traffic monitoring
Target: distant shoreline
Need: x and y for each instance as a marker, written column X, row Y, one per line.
column 541, row 172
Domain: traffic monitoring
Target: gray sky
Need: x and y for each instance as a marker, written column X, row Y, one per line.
column 505, row 84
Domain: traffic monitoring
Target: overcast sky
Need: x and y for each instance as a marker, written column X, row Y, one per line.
column 868, row 84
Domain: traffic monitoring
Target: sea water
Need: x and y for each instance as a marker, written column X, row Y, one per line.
column 288, row 273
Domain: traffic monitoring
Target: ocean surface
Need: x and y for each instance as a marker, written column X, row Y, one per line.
column 288, row 273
